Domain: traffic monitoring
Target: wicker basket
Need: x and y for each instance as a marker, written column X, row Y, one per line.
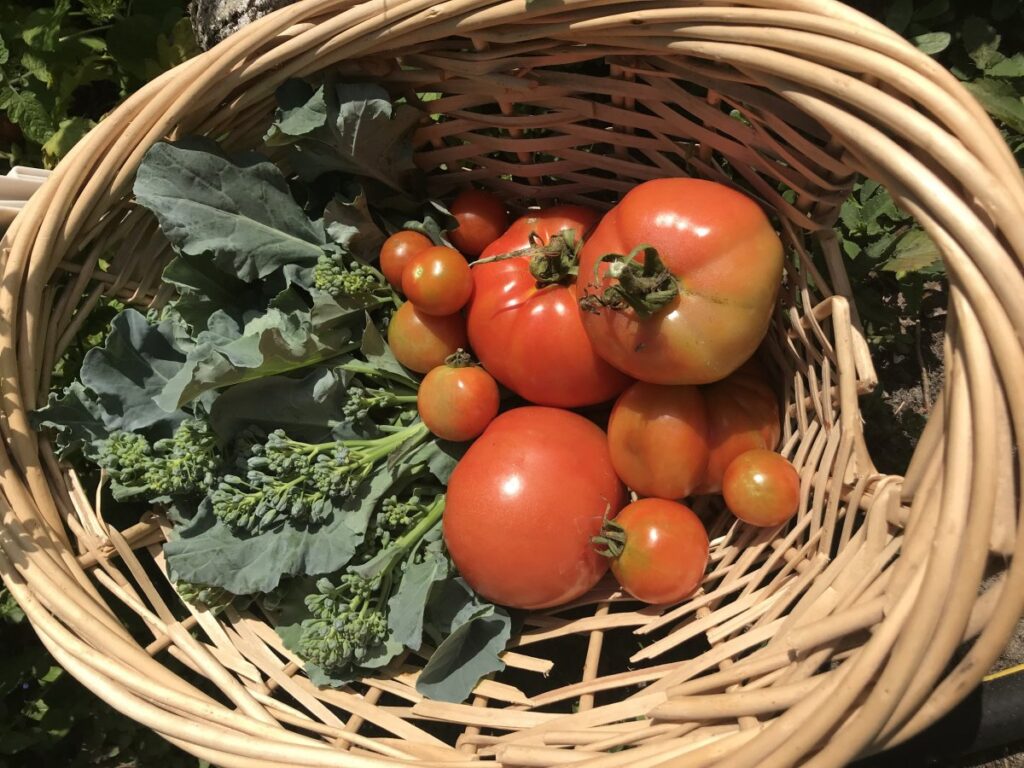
column 831, row 638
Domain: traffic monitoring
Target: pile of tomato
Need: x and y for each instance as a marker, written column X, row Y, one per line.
column 656, row 308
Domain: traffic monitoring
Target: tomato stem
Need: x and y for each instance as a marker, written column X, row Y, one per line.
column 553, row 263
column 645, row 287
column 460, row 358
column 611, row 541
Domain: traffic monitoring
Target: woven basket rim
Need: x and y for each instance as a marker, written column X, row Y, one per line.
column 915, row 561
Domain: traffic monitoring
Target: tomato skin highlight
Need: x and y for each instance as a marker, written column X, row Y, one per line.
column 761, row 488
column 665, row 553
column 531, row 338
column 396, row 252
column 743, row 414
column 727, row 261
column 421, row 342
column 482, row 218
column 437, row 281
column 457, row 403
column 524, row 503
column 658, row 439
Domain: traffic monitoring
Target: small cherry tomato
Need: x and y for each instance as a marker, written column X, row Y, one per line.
column 761, row 488
column 658, row 549
column 397, row 251
column 458, row 400
column 482, row 218
column 658, row 439
column 422, row 342
column 438, row 281
column 524, row 503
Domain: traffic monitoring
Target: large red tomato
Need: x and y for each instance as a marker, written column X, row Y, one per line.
column 526, row 330
column 658, row 438
column 698, row 311
column 524, row 503
column 743, row 414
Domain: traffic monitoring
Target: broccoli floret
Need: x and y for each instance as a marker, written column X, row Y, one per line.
column 182, row 464
column 346, row 627
column 304, row 482
column 349, row 622
column 338, row 278
column 360, row 401
column 212, row 598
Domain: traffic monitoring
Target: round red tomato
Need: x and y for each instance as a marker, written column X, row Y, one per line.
column 658, row 439
column 761, row 488
column 524, row 503
column 701, row 312
column 482, row 218
column 422, row 342
column 526, row 331
column 658, row 550
column 457, row 400
column 437, row 281
column 743, row 414
column 397, row 251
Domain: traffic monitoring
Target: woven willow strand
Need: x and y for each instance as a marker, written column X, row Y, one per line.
column 828, row 639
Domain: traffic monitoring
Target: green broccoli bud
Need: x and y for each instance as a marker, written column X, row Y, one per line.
column 184, row 463
column 360, row 401
column 338, row 278
column 349, row 618
column 203, row 595
column 286, row 479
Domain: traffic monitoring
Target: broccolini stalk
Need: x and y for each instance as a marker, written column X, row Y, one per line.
column 184, row 463
column 304, row 482
column 349, row 625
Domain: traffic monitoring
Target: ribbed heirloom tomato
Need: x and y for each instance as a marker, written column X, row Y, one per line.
column 524, row 503
column 699, row 309
column 524, row 321
column 658, row 550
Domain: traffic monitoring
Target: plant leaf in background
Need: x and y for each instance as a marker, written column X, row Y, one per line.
column 352, row 128
column 914, row 252
column 238, row 209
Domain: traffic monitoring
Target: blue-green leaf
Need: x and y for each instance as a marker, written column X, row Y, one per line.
column 474, row 634
column 306, row 409
column 131, row 370
column 208, row 551
column 237, row 209
column 272, row 343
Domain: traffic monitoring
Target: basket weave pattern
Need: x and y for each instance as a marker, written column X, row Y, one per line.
column 814, row 644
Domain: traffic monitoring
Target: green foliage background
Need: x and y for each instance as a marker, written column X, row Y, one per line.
column 64, row 65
